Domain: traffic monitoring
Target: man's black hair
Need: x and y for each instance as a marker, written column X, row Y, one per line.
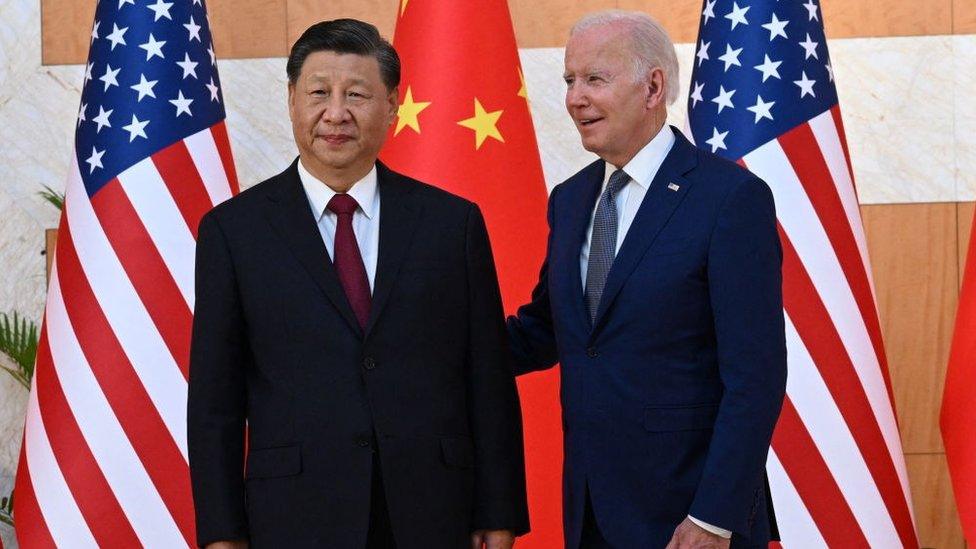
column 345, row 36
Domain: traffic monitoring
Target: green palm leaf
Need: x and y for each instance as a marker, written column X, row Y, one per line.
column 55, row 198
column 18, row 340
column 7, row 509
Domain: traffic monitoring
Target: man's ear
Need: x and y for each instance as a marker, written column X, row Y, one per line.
column 291, row 100
column 393, row 98
column 656, row 86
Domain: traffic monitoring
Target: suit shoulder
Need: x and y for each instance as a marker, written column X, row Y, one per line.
column 725, row 177
column 247, row 200
column 432, row 196
column 442, row 198
column 718, row 167
column 584, row 175
column 576, row 183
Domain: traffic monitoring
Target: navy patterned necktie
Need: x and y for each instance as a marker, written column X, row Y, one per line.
column 603, row 243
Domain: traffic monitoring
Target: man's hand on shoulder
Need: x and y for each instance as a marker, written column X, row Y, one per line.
column 689, row 535
column 492, row 539
column 236, row 544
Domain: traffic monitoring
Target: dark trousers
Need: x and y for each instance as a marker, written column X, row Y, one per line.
column 380, row 534
column 591, row 537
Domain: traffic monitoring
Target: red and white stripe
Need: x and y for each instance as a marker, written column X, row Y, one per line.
column 104, row 461
column 836, row 469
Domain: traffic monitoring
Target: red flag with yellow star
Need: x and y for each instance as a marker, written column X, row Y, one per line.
column 464, row 125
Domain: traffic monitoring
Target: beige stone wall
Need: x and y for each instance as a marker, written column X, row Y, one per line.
column 905, row 78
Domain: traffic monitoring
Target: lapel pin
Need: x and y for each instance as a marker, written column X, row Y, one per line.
column 673, row 187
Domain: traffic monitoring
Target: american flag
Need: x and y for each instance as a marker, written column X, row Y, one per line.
column 104, row 459
column 762, row 94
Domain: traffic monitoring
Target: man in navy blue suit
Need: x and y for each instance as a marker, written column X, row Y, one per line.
column 661, row 297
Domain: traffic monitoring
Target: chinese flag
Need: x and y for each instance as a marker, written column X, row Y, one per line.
column 464, row 125
column 958, row 404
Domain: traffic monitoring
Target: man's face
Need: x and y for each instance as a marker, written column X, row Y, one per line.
column 611, row 107
column 340, row 111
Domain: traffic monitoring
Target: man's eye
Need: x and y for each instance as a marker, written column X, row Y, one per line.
column 318, row 92
column 569, row 81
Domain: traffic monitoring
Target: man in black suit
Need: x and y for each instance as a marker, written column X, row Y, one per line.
column 350, row 317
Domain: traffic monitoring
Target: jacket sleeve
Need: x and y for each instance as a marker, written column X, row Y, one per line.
column 745, row 285
column 494, row 413
column 530, row 331
column 217, row 400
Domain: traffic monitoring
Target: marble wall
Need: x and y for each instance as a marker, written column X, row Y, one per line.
column 903, row 99
column 907, row 104
column 30, row 136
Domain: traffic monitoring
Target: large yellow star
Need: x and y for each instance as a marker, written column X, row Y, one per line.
column 403, row 6
column 408, row 112
column 483, row 123
column 523, row 92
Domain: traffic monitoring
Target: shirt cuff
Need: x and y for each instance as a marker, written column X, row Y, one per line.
column 720, row 532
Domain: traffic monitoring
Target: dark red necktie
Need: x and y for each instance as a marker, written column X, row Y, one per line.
column 347, row 259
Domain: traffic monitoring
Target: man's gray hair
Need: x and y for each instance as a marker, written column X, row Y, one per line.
column 652, row 46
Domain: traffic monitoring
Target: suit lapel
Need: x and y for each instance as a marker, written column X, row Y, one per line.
column 291, row 217
column 582, row 202
column 399, row 212
column 659, row 204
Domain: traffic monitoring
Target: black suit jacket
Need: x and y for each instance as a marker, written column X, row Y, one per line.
column 428, row 384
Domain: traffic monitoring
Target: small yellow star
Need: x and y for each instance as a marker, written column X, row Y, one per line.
column 409, row 111
column 403, row 6
column 484, row 124
column 523, row 92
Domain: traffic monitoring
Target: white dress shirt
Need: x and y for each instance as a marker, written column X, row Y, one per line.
column 365, row 220
column 641, row 169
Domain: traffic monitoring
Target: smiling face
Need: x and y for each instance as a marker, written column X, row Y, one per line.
column 340, row 111
column 615, row 111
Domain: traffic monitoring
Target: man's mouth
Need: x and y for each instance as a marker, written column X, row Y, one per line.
column 589, row 121
column 336, row 139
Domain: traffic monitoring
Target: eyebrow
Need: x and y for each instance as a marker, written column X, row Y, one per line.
column 319, row 78
column 593, row 72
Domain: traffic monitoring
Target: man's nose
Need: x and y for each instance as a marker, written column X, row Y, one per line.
column 336, row 110
column 576, row 96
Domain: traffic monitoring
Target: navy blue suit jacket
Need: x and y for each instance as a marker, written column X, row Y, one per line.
column 670, row 397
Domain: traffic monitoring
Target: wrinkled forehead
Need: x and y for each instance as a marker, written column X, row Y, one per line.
column 337, row 77
column 332, row 67
column 601, row 48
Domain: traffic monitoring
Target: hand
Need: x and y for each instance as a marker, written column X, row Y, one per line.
column 492, row 539
column 236, row 544
column 689, row 535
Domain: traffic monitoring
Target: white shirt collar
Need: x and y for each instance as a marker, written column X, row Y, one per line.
column 319, row 194
column 644, row 165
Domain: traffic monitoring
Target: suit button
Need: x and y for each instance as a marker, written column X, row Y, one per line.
column 362, row 442
column 592, row 352
column 369, row 363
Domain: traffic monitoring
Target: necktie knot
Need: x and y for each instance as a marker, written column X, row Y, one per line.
column 617, row 181
column 342, row 204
